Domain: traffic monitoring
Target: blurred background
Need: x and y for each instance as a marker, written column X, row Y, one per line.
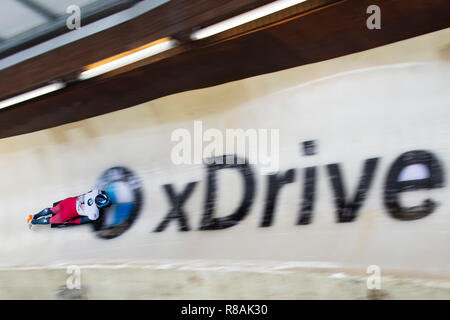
column 252, row 149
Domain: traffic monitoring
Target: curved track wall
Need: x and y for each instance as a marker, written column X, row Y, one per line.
column 349, row 120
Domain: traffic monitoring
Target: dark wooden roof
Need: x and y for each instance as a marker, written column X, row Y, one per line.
column 313, row 31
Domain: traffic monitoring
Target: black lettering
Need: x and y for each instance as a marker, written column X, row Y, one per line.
column 309, row 148
column 393, row 186
column 347, row 212
column 227, row 162
column 176, row 212
column 309, row 188
column 275, row 183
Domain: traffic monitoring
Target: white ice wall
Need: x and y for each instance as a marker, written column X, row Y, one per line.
column 378, row 103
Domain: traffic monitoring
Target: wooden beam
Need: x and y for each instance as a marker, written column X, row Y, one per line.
column 330, row 32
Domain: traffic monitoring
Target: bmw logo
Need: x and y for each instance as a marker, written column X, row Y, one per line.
column 124, row 190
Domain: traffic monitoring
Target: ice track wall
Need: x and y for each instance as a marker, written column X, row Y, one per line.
column 364, row 155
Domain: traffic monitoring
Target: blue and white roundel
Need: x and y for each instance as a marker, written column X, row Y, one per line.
column 122, row 199
column 124, row 190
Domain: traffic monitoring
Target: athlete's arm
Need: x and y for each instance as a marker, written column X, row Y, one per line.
column 85, row 220
column 79, row 221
